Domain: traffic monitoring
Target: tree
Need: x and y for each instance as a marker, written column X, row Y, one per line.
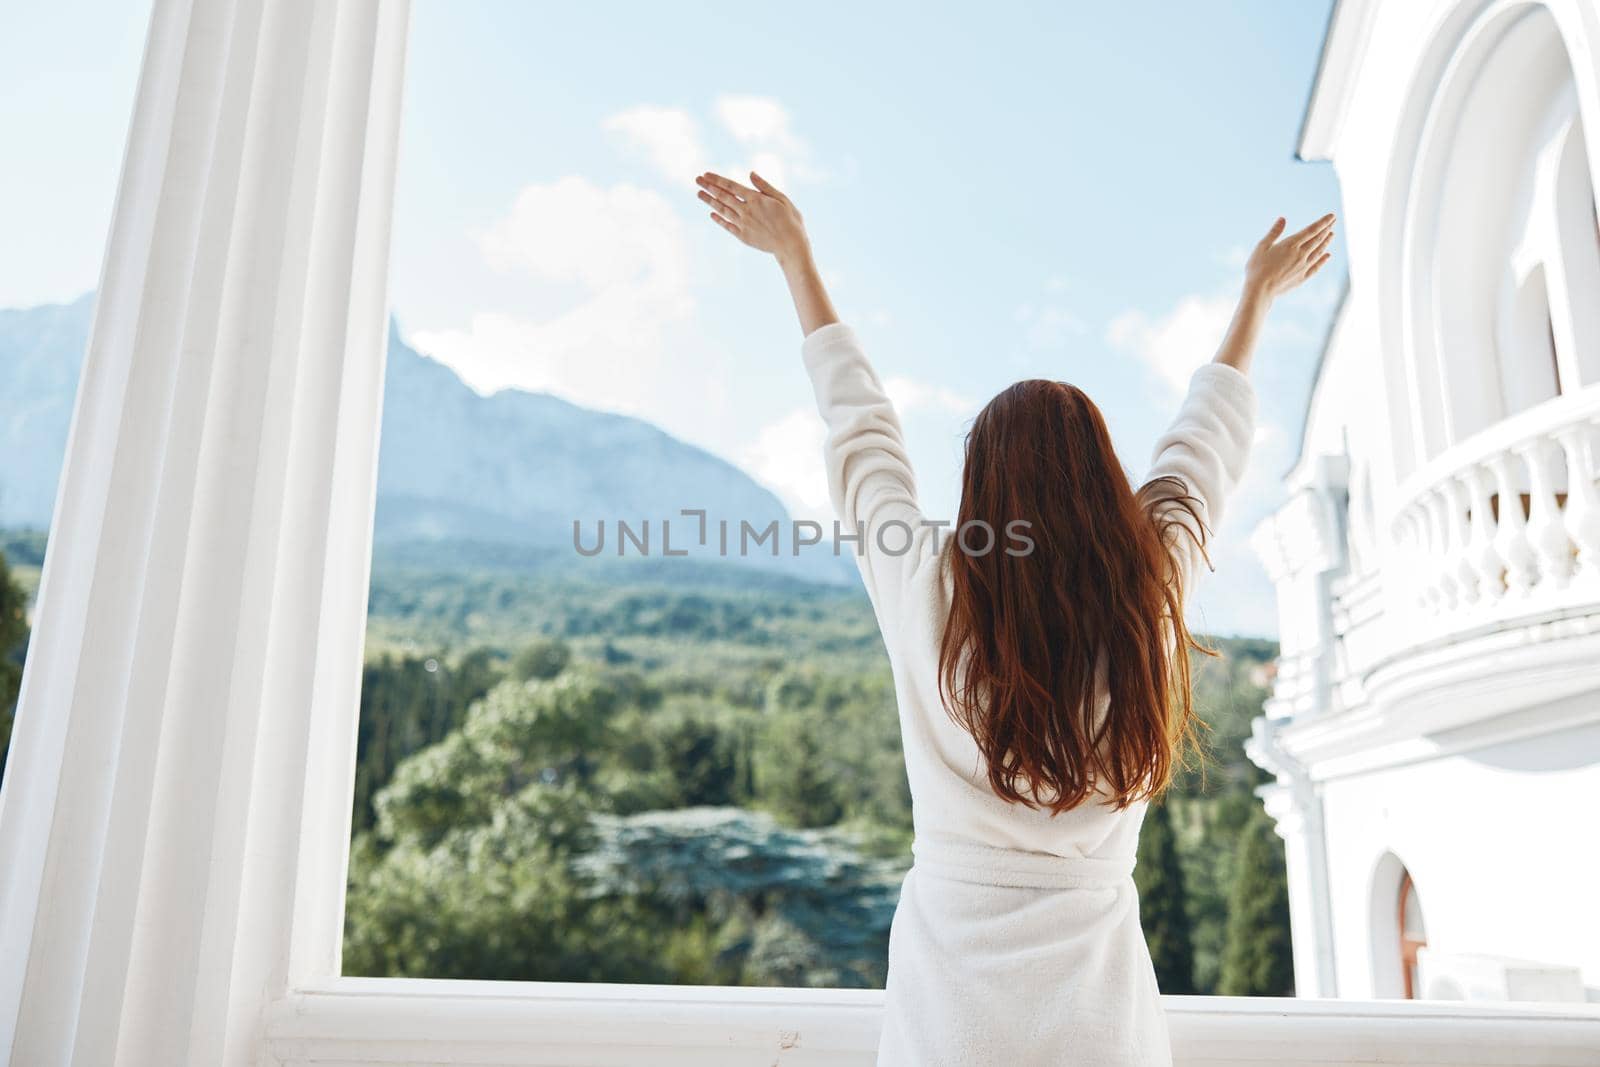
column 1208, row 830
column 1257, row 960
column 541, row 660
column 1163, row 902
column 796, row 775
column 408, row 704
column 13, row 640
column 496, row 898
column 549, row 732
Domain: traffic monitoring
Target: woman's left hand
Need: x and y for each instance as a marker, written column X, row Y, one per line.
column 762, row 217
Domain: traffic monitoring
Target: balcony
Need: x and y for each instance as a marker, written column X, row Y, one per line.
column 1480, row 596
column 1505, row 526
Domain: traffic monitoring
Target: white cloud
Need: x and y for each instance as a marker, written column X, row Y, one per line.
column 1173, row 345
column 756, row 120
column 668, row 137
column 572, row 230
column 762, row 126
column 610, row 292
column 626, row 250
column 787, row 454
column 1050, row 328
column 1049, row 325
column 910, row 396
column 787, row 457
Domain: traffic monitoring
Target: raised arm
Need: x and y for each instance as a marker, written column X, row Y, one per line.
column 1201, row 457
column 869, row 470
column 1276, row 265
column 768, row 221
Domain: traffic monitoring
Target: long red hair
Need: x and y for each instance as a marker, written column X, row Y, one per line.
column 1036, row 640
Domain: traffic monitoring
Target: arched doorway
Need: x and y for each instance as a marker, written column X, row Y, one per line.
column 1411, row 934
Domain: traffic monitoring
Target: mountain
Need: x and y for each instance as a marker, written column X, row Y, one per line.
column 464, row 481
column 41, row 350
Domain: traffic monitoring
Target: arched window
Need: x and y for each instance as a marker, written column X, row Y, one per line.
column 1411, row 933
column 1499, row 236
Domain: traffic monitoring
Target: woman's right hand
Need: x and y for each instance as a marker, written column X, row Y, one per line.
column 762, row 217
column 1278, row 264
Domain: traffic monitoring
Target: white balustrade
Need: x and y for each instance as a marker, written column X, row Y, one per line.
column 1458, row 556
column 1582, row 512
column 1439, row 539
column 1507, row 518
column 1546, row 530
column 1484, row 557
column 1511, row 533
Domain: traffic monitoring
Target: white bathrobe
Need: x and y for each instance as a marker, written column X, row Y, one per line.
column 1017, row 939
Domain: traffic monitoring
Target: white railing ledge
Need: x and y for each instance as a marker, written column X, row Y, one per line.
column 362, row 1021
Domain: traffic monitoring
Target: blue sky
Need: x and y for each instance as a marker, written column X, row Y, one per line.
column 1017, row 190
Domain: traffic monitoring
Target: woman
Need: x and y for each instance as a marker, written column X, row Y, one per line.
column 1041, row 670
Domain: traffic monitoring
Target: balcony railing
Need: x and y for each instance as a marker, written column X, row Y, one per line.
column 1508, row 522
column 393, row 1022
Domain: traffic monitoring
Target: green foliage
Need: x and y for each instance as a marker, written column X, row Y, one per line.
column 496, row 897
column 407, row 703
column 1258, row 960
column 1164, row 902
column 1227, row 698
column 503, row 824
column 694, row 784
column 13, row 647
column 737, row 751
column 522, row 733
column 1208, row 830
column 542, row 659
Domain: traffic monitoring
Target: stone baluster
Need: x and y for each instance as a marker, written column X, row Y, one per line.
column 1423, row 555
column 1439, row 569
column 1582, row 513
column 1511, row 527
column 1458, row 557
column 1481, row 551
column 1547, row 531
column 1408, row 536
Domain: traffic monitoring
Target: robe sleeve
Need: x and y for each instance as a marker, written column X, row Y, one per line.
column 870, row 482
column 1201, row 456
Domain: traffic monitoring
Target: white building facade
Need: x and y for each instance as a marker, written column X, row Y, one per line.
column 1434, row 732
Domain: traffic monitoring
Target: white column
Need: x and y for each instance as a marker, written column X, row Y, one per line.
column 187, row 713
column 1295, row 806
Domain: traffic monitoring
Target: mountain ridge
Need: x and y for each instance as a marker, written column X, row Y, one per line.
column 508, row 473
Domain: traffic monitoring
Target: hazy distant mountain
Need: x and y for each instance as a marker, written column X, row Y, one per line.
column 462, row 479
column 40, row 352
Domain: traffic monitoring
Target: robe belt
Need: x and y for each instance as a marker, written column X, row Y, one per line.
column 990, row 865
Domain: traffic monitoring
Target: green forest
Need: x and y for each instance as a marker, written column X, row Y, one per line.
column 642, row 781
column 695, row 778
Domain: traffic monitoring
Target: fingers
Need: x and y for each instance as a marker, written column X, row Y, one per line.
column 1274, row 233
column 1316, row 265
column 716, row 183
column 1319, row 246
column 724, row 193
column 1312, row 232
column 767, row 187
column 726, row 225
column 723, row 202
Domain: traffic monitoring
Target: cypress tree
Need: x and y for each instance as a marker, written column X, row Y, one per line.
column 1257, row 960
column 13, row 640
column 1164, row 902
